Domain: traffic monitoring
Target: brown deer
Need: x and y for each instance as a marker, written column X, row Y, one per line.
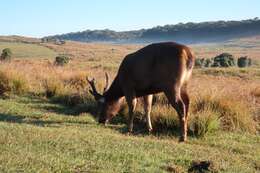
column 160, row 67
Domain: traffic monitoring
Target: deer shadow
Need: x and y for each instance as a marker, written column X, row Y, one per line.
column 119, row 123
column 60, row 108
column 46, row 106
column 20, row 119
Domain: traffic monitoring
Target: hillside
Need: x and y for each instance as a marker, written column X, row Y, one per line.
column 185, row 33
column 20, row 39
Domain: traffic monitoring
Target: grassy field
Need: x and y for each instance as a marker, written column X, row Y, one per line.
column 60, row 133
column 25, row 50
column 38, row 136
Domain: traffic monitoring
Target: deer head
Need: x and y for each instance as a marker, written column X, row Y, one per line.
column 105, row 108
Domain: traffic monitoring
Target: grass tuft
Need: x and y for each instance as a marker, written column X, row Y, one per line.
column 12, row 83
column 204, row 122
column 234, row 115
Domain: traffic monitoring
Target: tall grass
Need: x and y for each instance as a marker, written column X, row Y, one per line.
column 211, row 109
column 233, row 114
column 11, row 82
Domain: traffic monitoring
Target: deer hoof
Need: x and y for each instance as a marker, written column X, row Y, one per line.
column 129, row 133
column 182, row 139
column 150, row 131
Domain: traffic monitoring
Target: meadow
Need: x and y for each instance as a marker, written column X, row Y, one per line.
column 48, row 118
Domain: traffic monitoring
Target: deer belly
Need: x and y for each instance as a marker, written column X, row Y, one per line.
column 147, row 91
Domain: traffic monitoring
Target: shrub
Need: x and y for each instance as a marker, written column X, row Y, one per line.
column 6, row 55
column 204, row 62
column 61, row 60
column 199, row 62
column 224, row 60
column 208, row 62
column 244, row 62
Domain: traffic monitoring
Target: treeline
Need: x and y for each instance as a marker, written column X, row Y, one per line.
column 182, row 32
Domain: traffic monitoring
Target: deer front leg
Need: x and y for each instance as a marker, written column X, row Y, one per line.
column 147, row 109
column 131, row 102
column 131, row 105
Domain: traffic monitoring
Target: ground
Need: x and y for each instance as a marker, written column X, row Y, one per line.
column 38, row 136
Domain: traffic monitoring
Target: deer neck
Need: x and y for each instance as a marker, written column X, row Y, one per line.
column 114, row 93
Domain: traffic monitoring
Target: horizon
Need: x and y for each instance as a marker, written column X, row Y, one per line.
column 39, row 19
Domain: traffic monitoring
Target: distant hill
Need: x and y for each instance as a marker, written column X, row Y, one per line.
column 20, row 39
column 186, row 33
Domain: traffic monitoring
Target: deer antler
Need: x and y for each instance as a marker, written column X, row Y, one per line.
column 93, row 87
column 107, row 83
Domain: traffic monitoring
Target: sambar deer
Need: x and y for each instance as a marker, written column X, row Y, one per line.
column 159, row 67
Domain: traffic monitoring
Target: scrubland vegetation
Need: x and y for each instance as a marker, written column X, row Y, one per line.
column 47, row 116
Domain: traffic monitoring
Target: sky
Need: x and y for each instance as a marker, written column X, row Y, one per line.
column 38, row 18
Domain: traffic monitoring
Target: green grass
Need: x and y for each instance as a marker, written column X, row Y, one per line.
column 25, row 50
column 39, row 136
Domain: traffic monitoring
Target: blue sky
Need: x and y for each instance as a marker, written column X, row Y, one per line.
column 47, row 17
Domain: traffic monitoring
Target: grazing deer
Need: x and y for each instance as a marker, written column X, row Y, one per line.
column 160, row 67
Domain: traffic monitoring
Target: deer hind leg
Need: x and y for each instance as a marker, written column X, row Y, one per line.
column 147, row 109
column 186, row 100
column 131, row 102
column 174, row 97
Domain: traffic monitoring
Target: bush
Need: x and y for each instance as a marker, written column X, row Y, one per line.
column 205, row 62
column 224, row 60
column 208, row 62
column 199, row 62
column 244, row 62
column 6, row 55
column 12, row 83
column 61, row 60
